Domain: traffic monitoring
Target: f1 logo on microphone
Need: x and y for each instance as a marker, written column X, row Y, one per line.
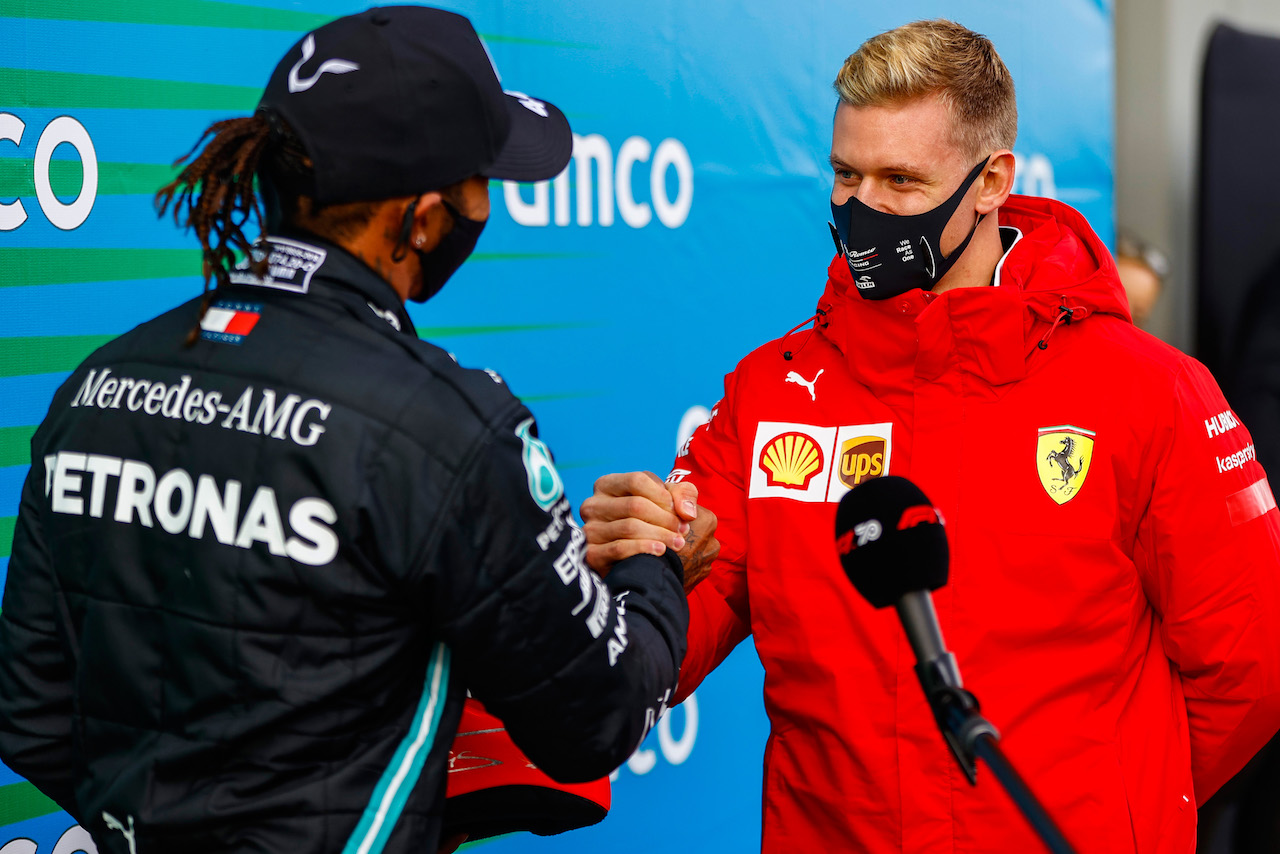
column 865, row 532
column 920, row 514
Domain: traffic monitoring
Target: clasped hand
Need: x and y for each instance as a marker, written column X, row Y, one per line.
column 636, row 513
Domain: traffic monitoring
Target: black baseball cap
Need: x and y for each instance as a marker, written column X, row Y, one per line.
column 400, row 100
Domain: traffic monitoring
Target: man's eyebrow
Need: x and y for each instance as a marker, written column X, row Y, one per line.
column 890, row 169
column 907, row 168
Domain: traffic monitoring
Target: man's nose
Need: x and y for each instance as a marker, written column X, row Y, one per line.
column 874, row 196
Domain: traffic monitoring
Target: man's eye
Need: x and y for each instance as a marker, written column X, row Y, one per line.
column 844, row 174
column 900, row 180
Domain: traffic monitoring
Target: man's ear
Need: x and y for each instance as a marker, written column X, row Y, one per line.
column 431, row 222
column 996, row 182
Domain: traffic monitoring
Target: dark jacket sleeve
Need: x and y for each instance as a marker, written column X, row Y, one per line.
column 577, row 668
column 35, row 668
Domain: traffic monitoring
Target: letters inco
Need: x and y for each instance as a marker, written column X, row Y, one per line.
column 259, row 412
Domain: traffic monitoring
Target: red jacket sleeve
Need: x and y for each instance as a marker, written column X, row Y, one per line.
column 719, row 607
column 1208, row 552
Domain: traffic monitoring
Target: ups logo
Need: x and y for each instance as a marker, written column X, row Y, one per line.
column 861, row 458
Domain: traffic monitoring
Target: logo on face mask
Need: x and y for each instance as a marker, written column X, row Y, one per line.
column 857, row 225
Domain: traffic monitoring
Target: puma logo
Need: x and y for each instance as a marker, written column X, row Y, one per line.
column 793, row 377
column 332, row 66
column 113, row 823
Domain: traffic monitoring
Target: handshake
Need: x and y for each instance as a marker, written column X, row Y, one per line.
column 636, row 513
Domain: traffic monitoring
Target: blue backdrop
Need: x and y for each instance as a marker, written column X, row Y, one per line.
column 690, row 228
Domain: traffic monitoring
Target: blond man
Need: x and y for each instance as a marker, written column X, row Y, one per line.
column 1114, row 599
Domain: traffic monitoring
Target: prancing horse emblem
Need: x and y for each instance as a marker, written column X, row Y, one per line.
column 1063, row 459
column 793, row 377
column 1063, row 455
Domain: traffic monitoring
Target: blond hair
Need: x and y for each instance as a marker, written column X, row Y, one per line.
column 941, row 58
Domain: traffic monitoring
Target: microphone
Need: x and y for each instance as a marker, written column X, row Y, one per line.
column 893, row 548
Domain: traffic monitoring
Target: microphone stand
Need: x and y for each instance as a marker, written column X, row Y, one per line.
column 971, row 737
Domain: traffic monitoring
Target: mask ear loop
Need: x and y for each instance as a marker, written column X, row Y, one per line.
column 402, row 244
column 940, row 269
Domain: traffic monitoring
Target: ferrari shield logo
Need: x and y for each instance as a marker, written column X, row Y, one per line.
column 1063, row 454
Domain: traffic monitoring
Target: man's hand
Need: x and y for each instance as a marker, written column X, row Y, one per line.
column 701, row 548
column 635, row 513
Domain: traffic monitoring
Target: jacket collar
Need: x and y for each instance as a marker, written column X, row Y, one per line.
column 306, row 264
column 1058, row 269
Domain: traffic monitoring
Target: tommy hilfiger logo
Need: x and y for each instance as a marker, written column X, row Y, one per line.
column 230, row 322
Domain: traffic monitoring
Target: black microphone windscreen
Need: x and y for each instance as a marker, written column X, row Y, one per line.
column 890, row 540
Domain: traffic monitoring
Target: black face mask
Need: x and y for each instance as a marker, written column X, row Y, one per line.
column 453, row 249
column 889, row 254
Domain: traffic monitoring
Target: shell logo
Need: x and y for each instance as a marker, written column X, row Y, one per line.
column 791, row 460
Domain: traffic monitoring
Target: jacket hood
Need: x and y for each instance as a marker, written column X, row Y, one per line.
column 1059, row 259
column 1057, row 271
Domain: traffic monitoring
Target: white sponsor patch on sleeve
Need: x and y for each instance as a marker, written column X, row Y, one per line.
column 1251, row 502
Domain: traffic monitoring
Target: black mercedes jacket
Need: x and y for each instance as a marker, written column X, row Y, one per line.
column 253, row 578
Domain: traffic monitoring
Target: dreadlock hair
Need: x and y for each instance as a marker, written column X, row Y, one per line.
column 215, row 194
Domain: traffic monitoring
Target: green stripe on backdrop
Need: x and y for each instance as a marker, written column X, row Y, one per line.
column 20, row 266
column 582, row 464
column 15, row 442
column 560, row 395
column 6, row 546
column 15, row 445
column 46, row 354
column 429, row 332
column 184, row 13
column 17, row 178
column 532, row 256
column 206, row 13
column 501, row 39
column 21, row 801
column 68, row 91
column 17, row 181
column 23, row 266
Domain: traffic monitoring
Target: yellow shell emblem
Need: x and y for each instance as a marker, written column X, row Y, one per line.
column 791, row 460
column 1063, row 456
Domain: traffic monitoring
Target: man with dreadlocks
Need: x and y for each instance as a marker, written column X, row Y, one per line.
column 270, row 539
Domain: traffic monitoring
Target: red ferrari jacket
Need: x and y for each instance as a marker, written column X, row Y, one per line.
column 1114, row 593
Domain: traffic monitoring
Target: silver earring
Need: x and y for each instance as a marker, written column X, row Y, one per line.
column 419, row 240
